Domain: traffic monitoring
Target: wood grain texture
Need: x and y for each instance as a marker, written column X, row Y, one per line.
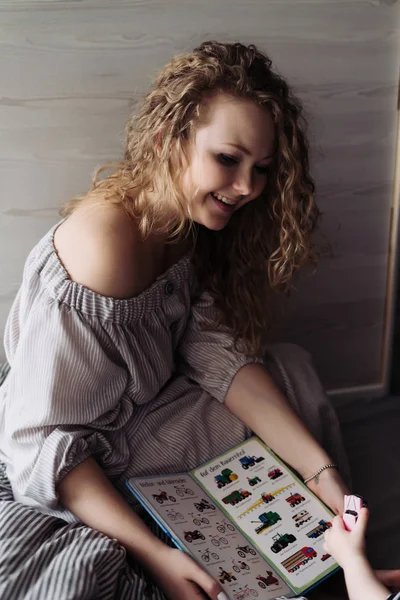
column 71, row 71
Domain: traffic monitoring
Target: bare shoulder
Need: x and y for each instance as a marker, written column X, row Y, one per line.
column 99, row 247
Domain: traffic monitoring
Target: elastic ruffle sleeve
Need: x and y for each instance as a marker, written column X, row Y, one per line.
column 207, row 355
column 63, row 401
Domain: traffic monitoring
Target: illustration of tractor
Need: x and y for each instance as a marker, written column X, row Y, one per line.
column 294, row 499
column 163, row 497
column 274, row 472
column 282, row 541
column 236, row 496
column 204, row 505
column 267, row 498
column 267, row 520
column 269, row 580
column 225, row 576
column 193, row 535
column 253, row 480
column 250, row 461
column 226, row 476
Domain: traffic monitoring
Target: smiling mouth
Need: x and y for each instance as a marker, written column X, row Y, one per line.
column 223, row 199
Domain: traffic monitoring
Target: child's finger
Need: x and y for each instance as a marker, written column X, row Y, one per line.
column 337, row 522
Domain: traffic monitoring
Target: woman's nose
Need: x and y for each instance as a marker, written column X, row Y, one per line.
column 243, row 183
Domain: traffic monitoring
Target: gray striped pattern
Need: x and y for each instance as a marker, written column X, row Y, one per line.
column 4, row 369
column 137, row 383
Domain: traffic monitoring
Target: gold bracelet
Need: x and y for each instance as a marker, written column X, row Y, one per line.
column 318, row 473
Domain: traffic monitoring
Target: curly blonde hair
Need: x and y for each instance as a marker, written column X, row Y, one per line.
column 265, row 242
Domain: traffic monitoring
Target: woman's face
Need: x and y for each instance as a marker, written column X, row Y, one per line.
column 228, row 159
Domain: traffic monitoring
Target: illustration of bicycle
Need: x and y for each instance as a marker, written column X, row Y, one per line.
column 206, row 555
column 199, row 520
column 224, row 525
column 173, row 515
column 245, row 593
column 182, row 491
column 218, row 541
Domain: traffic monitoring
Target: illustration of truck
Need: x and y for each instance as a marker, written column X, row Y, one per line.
column 267, row 498
column 274, row 472
column 319, row 529
column 235, row 497
column 250, row 461
column 294, row 499
column 282, row 541
column 302, row 517
column 226, row 476
column 267, row 520
column 299, row 559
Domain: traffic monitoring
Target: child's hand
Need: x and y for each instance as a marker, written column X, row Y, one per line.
column 181, row 578
column 343, row 545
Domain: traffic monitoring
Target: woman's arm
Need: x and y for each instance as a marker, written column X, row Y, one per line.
column 256, row 400
column 88, row 494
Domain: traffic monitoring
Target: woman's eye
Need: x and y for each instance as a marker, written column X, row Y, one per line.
column 227, row 161
column 263, row 169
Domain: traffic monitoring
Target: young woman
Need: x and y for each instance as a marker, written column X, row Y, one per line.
column 138, row 339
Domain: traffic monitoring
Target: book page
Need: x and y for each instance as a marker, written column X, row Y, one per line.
column 200, row 528
column 279, row 515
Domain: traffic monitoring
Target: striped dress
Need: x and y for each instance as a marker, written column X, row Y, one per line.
column 140, row 385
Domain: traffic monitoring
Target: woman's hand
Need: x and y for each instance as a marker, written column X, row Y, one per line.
column 330, row 489
column 347, row 547
column 181, row 578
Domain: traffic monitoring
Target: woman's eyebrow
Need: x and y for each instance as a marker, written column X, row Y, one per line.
column 245, row 150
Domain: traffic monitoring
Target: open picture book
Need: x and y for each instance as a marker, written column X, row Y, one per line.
column 247, row 519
